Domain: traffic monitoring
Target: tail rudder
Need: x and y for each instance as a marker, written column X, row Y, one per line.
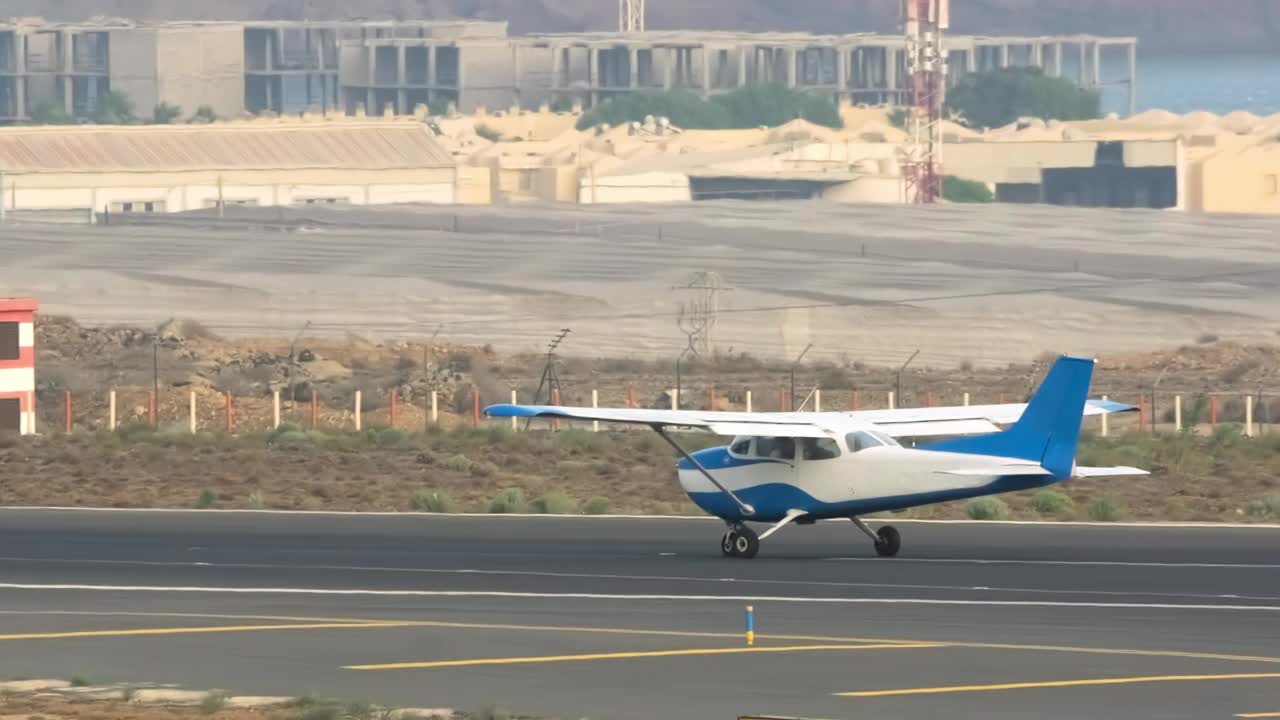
column 1049, row 429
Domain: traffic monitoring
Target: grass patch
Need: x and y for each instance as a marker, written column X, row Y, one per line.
column 509, row 502
column 554, row 503
column 208, row 499
column 80, row 681
column 458, row 463
column 213, row 702
column 1105, row 509
column 597, row 505
column 1051, row 502
column 1266, row 508
column 255, row 502
column 433, row 502
column 986, row 508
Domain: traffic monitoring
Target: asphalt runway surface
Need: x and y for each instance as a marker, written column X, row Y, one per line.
column 642, row 618
column 987, row 285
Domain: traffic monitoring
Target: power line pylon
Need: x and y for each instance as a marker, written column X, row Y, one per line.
column 550, row 375
column 698, row 317
column 925, row 22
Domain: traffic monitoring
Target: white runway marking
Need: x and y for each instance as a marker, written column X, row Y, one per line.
column 1082, row 563
column 649, row 578
column 636, row 597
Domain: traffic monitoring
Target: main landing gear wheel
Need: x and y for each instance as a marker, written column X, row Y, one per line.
column 740, row 541
column 888, row 541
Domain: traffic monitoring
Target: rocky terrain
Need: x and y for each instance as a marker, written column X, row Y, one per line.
column 1171, row 25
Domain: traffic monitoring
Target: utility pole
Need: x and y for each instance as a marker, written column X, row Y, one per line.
column 697, row 318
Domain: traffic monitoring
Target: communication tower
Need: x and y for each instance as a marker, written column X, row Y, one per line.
column 631, row 16
column 925, row 22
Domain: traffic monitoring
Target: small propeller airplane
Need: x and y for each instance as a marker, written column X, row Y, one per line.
column 797, row 467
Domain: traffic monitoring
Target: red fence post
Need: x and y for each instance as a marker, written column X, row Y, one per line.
column 151, row 407
column 1142, row 413
column 631, row 397
column 711, row 398
column 68, row 407
column 1213, row 412
column 475, row 406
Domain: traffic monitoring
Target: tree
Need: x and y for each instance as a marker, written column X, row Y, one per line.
column 961, row 190
column 50, row 112
column 204, row 114
column 748, row 107
column 999, row 97
column 166, row 114
column 115, row 108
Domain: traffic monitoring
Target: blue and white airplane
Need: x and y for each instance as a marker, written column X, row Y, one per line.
column 804, row 467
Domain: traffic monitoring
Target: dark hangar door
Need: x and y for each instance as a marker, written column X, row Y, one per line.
column 10, row 416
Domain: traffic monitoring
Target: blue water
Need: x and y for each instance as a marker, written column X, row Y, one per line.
column 1186, row 83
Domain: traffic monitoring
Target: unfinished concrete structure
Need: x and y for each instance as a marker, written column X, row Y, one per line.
column 865, row 67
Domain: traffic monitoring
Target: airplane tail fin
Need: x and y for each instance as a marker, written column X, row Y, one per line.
column 1049, row 429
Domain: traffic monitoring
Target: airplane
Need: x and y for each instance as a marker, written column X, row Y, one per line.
column 798, row 467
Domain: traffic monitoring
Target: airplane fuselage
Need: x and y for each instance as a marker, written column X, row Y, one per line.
column 874, row 479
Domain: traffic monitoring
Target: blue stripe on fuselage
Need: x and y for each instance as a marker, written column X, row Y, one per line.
column 772, row 500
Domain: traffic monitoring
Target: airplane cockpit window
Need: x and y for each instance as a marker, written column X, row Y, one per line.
column 781, row 448
column 741, row 446
column 862, row 440
column 819, row 449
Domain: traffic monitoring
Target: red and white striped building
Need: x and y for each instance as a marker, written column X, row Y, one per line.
column 17, row 366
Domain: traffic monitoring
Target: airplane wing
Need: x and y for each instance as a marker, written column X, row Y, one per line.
column 962, row 420
column 720, row 423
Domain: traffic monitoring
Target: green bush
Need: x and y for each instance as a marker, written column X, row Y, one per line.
column 213, row 702
column 999, row 97
column 1265, row 508
column 255, row 501
column 458, row 463
column 386, row 437
column 207, row 500
column 986, row 508
column 509, row 502
column 597, row 506
column 1051, row 502
column 483, row 469
column 166, row 114
column 1104, row 509
column 554, row 503
column 961, row 190
column 432, row 502
column 747, row 107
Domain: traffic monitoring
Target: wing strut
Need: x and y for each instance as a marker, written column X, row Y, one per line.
column 662, row 432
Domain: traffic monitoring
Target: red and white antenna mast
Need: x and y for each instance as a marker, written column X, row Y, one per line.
column 925, row 21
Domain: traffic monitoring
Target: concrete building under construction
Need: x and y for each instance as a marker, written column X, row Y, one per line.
column 338, row 66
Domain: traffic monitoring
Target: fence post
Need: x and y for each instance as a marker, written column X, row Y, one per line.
column 1104, row 419
column 595, row 403
column 1213, row 412
column 515, row 426
column 435, row 407
column 748, row 401
column 857, row 400
column 817, row 400
column 151, row 407
column 230, row 421
column 275, row 409
column 631, row 397
column 192, row 412
column 966, row 399
column 675, row 401
column 393, row 408
column 359, row 405
column 928, row 399
column 475, row 406
column 1177, row 413
column 711, row 398
column 555, row 400
column 892, row 400
column 1142, row 413
column 1248, row 416
column 68, row 412
column 111, row 412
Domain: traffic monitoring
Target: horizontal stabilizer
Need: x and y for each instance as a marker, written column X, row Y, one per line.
column 998, row 471
column 1084, row 472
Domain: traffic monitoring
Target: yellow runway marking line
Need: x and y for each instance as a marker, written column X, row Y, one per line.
column 1259, row 715
column 195, row 630
column 1057, row 684
column 630, row 655
column 356, row 622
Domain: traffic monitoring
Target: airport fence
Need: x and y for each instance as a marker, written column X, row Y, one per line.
column 207, row 410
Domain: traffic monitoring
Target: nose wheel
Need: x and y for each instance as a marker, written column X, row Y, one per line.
column 740, row 541
column 887, row 540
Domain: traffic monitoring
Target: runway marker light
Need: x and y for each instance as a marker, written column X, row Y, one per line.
column 751, row 625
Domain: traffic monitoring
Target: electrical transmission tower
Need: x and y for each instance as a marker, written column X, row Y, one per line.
column 925, row 22
column 631, row 16
column 698, row 316
column 550, row 375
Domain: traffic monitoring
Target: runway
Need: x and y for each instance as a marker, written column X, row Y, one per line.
column 641, row 618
